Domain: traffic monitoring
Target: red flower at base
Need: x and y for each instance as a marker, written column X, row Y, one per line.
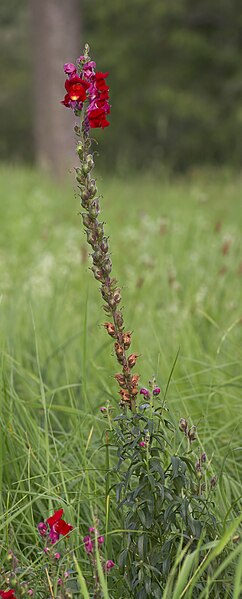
column 8, row 594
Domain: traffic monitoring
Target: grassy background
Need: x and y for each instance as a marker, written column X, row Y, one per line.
column 177, row 253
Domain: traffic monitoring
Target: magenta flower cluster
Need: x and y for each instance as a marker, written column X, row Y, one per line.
column 89, row 546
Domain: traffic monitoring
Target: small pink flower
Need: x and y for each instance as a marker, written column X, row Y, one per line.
column 30, row 592
column 66, row 574
column 145, row 392
column 103, row 409
column 46, row 550
column 156, row 391
column 142, row 444
column 59, row 582
column 109, row 565
column 88, row 544
column 57, row 555
column 69, row 69
column 92, row 529
column 54, row 536
column 42, row 528
column 100, row 540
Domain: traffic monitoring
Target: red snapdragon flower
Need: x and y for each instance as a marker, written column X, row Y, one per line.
column 58, row 526
column 97, row 118
column 77, row 88
column 86, row 84
column 7, row 594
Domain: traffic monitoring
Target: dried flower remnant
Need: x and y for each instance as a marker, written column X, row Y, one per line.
column 88, row 96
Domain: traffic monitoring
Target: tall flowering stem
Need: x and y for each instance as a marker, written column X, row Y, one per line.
column 88, row 95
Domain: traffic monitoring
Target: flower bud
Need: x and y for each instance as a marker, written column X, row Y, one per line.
column 127, row 339
column 213, row 482
column 145, row 392
column 103, row 409
column 109, row 564
column 132, row 359
column 142, row 444
column 203, row 458
column 183, row 425
column 110, row 328
column 135, row 379
column 156, row 391
column 192, row 433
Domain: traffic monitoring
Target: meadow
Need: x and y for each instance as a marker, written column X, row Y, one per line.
column 177, row 254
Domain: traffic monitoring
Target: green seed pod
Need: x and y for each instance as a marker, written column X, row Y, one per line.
column 90, row 161
column 79, row 149
column 87, row 221
column 80, row 177
column 85, row 195
column 94, row 208
column 104, row 245
column 107, row 265
column 92, row 188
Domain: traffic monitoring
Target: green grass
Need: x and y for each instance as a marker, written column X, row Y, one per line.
column 177, row 253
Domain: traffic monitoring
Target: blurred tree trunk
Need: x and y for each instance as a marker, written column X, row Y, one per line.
column 56, row 40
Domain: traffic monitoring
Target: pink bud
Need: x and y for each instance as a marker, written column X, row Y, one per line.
column 42, row 528
column 109, row 564
column 145, row 392
column 57, row 555
column 30, row 592
column 100, row 540
column 156, row 391
column 142, row 444
column 88, row 544
column 46, row 550
column 103, row 409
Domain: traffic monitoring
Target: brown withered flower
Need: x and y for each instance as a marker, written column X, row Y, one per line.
column 132, row 359
column 125, row 395
column 127, row 339
column 110, row 328
column 120, row 379
column 119, row 350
